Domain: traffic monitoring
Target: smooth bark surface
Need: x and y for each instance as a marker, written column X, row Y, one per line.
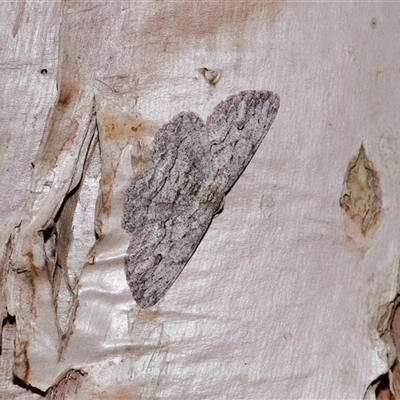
column 288, row 294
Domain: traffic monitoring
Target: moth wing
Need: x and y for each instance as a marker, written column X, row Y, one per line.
column 175, row 214
column 236, row 128
column 194, row 166
column 151, row 272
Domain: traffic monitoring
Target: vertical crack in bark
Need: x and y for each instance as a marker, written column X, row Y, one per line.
column 64, row 282
column 4, row 262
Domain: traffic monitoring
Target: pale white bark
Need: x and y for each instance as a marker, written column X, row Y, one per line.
column 283, row 298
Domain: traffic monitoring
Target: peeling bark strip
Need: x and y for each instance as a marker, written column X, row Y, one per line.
column 66, row 386
column 170, row 206
column 361, row 197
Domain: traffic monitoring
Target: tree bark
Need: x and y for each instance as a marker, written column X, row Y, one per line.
column 291, row 293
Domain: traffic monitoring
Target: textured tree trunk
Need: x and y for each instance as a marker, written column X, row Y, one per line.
column 292, row 291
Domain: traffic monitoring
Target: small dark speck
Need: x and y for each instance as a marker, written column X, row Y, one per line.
column 43, row 71
column 32, row 165
column 373, row 23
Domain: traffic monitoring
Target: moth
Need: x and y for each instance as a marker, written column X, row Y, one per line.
column 170, row 206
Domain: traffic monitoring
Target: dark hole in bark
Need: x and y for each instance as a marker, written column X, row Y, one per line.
column 382, row 391
column 19, row 382
column 10, row 319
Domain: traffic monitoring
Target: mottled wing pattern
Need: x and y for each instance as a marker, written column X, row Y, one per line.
column 236, row 128
column 170, row 206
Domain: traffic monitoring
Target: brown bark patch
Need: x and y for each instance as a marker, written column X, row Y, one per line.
column 362, row 196
column 67, row 386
